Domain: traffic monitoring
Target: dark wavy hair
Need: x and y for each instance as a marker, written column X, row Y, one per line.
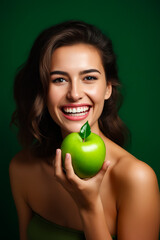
column 36, row 127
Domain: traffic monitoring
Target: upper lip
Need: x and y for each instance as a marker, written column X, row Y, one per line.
column 72, row 105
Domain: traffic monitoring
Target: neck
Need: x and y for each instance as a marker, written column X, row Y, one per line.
column 94, row 128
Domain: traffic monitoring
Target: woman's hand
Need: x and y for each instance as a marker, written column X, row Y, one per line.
column 85, row 192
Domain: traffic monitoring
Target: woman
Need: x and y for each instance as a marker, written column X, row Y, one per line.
column 69, row 78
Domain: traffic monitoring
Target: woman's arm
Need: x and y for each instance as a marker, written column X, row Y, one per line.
column 87, row 197
column 94, row 222
column 17, row 186
column 138, row 206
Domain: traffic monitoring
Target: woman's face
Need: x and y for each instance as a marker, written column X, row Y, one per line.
column 77, row 87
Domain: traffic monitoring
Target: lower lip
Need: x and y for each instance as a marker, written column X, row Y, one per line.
column 76, row 118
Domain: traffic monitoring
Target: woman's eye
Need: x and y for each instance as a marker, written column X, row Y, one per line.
column 90, row 78
column 58, row 80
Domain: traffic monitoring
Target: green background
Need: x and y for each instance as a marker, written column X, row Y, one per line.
column 133, row 26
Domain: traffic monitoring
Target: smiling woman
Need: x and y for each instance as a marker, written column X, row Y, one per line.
column 78, row 87
column 71, row 77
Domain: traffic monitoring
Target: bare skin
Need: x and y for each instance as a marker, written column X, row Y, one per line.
column 35, row 189
column 122, row 199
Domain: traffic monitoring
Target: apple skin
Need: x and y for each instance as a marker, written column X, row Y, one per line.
column 87, row 156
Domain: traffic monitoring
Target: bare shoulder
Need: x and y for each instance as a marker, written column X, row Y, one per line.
column 132, row 171
column 18, row 159
column 22, row 162
column 21, row 169
column 18, row 169
column 17, row 163
column 137, row 195
column 127, row 171
column 133, row 177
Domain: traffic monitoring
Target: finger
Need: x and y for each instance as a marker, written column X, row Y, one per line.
column 58, row 171
column 105, row 165
column 70, row 174
column 68, row 166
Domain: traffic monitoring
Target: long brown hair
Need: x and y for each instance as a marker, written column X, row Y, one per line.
column 36, row 127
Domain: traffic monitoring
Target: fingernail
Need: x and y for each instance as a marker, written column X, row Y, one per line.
column 108, row 163
column 67, row 155
column 57, row 151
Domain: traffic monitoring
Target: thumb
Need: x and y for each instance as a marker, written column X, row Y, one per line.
column 103, row 170
column 105, row 165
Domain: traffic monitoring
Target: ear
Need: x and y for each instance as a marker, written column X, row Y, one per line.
column 108, row 91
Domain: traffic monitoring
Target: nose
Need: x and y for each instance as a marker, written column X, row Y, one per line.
column 75, row 92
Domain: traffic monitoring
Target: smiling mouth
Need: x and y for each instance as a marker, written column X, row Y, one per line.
column 76, row 111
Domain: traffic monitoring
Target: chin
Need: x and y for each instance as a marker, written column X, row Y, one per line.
column 72, row 127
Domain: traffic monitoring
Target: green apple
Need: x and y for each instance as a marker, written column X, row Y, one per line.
column 87, row 151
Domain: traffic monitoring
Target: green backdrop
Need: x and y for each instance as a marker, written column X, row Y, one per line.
column 133, row 26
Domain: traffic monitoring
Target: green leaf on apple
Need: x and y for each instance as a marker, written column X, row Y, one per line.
column 85, row 131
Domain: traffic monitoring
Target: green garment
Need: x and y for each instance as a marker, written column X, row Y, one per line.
column 42, row 229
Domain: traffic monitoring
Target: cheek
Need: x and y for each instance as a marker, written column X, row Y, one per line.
column 53, row 97
column 98, row 94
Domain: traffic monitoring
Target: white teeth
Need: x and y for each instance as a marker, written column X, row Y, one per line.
column 78, row 114
column 76, row 110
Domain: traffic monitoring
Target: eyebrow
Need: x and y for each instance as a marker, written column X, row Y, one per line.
column 81, row 73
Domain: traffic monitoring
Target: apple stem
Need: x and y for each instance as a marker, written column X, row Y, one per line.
column 83, row 139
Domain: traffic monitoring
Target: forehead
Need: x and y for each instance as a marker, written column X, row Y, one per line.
column 76, row 56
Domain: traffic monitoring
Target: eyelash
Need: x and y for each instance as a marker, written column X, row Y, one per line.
column 58, row 80
column 89, row 78
column 61, row 80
